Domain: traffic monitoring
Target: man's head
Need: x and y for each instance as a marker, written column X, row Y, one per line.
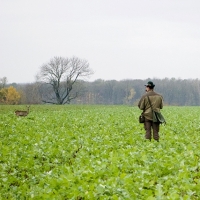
column 149, row 86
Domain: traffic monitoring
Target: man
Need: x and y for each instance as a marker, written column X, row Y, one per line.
column 150, row 98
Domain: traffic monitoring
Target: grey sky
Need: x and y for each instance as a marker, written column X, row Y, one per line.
column 121, row 39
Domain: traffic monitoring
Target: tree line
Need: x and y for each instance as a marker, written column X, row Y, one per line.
column 177, row 92
column 61, row 81
column 174, row 91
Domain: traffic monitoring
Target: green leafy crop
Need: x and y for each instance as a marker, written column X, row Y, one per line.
column 98, row 152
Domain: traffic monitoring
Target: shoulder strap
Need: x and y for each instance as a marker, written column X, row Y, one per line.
column 145, row 108
column 150, row 103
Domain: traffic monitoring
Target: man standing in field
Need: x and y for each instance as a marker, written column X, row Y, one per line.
column 148, row 100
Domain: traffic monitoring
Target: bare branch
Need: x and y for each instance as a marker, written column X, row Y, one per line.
column 61, row 73
column 3, row 82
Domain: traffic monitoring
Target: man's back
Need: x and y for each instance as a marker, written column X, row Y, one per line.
column 156, row 101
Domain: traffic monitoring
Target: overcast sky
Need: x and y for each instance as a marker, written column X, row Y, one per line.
column 121, row 39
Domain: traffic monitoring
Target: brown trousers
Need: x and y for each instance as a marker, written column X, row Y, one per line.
column 149, row 126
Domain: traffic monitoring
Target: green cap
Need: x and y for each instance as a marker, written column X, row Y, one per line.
column 150, row 84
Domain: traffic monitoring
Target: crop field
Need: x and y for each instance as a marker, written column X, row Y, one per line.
column 82, row 152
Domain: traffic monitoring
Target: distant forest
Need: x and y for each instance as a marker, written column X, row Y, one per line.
column 179, row 92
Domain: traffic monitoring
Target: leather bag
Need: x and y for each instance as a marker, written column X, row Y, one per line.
column 158, row 117
column 141, row 118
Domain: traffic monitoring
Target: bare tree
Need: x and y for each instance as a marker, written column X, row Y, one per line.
column 61, row 74
column 3, row 82
column 30, row 93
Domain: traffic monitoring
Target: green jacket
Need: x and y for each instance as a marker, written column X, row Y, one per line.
column 156, row 102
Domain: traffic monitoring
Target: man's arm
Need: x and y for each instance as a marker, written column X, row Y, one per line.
column 161, row 105
column 141, row 104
